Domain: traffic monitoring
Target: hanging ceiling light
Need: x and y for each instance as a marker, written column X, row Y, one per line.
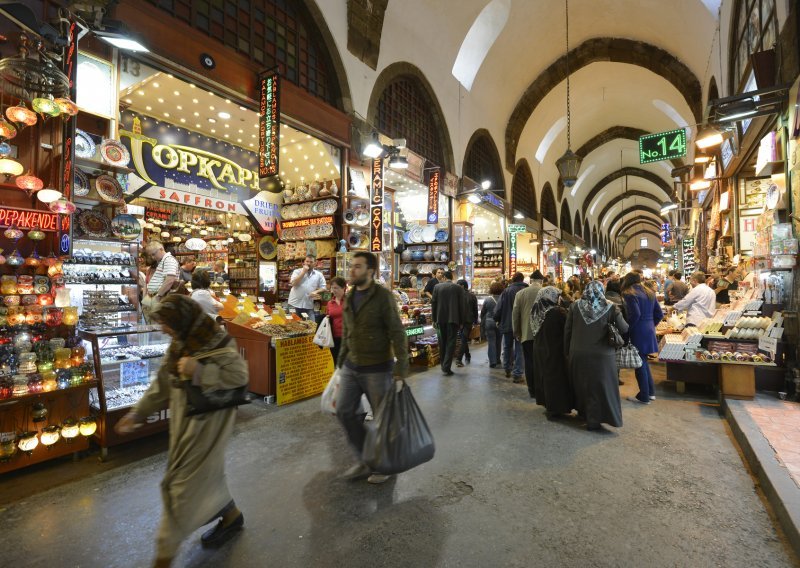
column 570, row 163
column 21, row 115
column 709, row 136
column 374, row 148
column 29, row 182
column 668, row 206
column 398, row 162
column 62, row 205
column 48, row 195
column 9, row 167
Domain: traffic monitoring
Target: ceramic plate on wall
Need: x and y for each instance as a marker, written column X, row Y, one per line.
column 84, row 145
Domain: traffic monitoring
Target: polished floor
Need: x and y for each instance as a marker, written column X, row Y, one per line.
column 506, row 488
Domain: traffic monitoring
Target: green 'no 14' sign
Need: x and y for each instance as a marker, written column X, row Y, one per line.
column 662, row 146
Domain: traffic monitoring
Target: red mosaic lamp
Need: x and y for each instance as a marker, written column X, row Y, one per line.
column 7, row 130
column 21, row 115
column 29, row 182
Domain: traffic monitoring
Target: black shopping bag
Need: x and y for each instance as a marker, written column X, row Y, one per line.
column 398, row 438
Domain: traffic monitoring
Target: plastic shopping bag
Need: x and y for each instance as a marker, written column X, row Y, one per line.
column 398, row 439
column 324, row 335
column 328, row 401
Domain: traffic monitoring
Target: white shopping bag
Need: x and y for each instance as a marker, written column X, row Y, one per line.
column 324, row 335
column 328, row 401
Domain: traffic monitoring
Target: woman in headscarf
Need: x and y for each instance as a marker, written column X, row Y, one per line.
column 194, row 490
column 592, row 360
column 550, row 386
column 644, row 313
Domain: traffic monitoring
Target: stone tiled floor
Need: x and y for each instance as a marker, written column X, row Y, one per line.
column 779, row 421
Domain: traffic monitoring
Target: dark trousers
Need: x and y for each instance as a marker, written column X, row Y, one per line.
column 494, row 338
column 527, row 355
column 644, row 377
column 352, row 385
column 337, row 345
column 463, row 336
column 447, row 333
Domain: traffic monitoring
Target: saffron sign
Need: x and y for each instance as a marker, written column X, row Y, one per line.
column 433, row 196
column 376, row 207
column 268, row 126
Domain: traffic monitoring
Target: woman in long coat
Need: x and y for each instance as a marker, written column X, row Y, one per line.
column 644, row 313
column 592, row 361
column 194, row 490
column 550, row 378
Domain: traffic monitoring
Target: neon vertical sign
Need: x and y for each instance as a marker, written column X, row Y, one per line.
column 376, row 207
column 433, row 196
column 268, row 125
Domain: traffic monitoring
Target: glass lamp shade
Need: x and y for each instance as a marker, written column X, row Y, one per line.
column 33, row 260
column 568, row 166
column 15, row 259
column 39, row 412
column 70, row 429
column 5, row 149
column 21, row 115
column 51, row 260
column 12, row 233
column 622, row 240
column 28, row 441
column 165, row 234
column 36, row 234
column 10, row 167
column 50, row 435
column 46, row 106
column 88, row 426
column 7, row 130
column 62, row 205
column 8, row 449
column 176, row 239
column 203, row 232
column 29, row 182
column 67, row 107
column 48, row 195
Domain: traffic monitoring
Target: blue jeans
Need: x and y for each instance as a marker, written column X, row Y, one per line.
column 644, row 377
column 513, row 348
column 494, row 339
column 352, row 384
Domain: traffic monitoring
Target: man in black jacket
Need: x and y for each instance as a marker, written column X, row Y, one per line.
column 449, row 311
column 513, row 359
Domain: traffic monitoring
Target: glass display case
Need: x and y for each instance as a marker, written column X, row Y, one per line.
column 126, row 362
column 462, row 251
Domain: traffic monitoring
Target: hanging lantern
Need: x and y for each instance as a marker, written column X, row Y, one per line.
column 46, row 106
column 5, row 149
column 70, row 429
column 48, row 195
column 88, row 426
column 33, row 260
column 50, row 435
column 7, row 130
column 36, row 234
column 39, row 412
column 13, row 233
column 15, row 259
column 165, row 234
column 21, row 115
column 8, row 448
column 28, row 442
column 187, row 230
column 63, row 206
column 29, row 183
column 176, row 239
column 54, row 269
column 66, row 107
column 10, row 167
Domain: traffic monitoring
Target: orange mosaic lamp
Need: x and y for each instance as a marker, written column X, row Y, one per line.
column 21, row 115
column 7, row 130
column 29, row 182
column 67, row 107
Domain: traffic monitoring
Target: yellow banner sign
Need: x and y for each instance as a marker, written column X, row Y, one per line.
column 303, row 369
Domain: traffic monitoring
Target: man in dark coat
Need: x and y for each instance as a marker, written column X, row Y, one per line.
column 513, row 360
column 449, row 312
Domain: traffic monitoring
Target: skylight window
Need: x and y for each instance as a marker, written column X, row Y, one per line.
column 479, row 40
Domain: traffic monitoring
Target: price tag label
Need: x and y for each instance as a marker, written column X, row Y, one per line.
column 776, row 332
column 768, row 344
column 731, row 318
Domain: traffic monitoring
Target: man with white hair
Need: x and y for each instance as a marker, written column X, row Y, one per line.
column 162, row 280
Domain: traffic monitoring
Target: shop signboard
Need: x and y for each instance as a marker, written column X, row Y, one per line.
column 662, row 146
column 269, row 125
column 263, row 210
column 747, row 232
column 31, row 218
column 493, row 199
column 301, row 367
column 176, row 165
column 512, row 252
column 516, row 228
column 157, row 214
column 307, row 222
column 414, row 331
column 376, row 207
column 433, row 196
column 689, row 262
column 666, row 233
column 450, row 185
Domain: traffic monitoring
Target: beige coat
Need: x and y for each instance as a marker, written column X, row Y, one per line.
column 521, row 313
column 194, row 488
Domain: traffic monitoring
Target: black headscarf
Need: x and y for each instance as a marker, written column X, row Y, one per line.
column 194, row 330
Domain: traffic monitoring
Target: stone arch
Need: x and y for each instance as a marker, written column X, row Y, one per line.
column 593, row 242
column 627, row 195
column 402, row 70
column 622, row 172
column 643, row 232
column 615, row 133
column 713, row 91
column 615, row 50
column 565, row 223
column 523, row 191
column 587, row 234
column 639, row 209
column 482, row 160
column 548, row 206
column 576, row 225
column 630, row 223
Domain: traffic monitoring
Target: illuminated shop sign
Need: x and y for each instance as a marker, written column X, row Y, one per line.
column 493, row 199
column 180, row 166
column 268, row 126
column 264, row 210
column 662, row 146
column 412, row 331
column 433, row 197
column 306, row 222
column 666, row 233
column 31, row 218
column 376, row 207
column 512, row 253
column 515, row 228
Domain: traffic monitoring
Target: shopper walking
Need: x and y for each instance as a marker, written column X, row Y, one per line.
column 305, row 281
column 550, row 381
column 201, row 282
column 449, row 313
column 701, row 301
column 194, row 490
column 489, row 326
column 513, row 360
column 521, row 323
column 466, row 330
column 644, row 313
column 335, row 309
column 591, row 359
column 372, row 337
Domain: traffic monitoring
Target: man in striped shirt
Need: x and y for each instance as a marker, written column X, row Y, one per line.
column 162, row 280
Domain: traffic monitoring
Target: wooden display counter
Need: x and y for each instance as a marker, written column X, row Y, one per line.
column 734, row 379
column 255, row 347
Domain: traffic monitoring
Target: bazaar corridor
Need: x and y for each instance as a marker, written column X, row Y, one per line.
column 506, row 488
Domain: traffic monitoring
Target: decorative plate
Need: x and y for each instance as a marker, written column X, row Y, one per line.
column 330, row 206
column 114, row 153
column 362, row 217
column 429, row 233
column 84, row 145
column 315, row 208
column 773, row 196
column 350, row 216
column 126, row 227
column 416, row 234
column 80, row 183
column 94, row 223
column 407, row 237
column 108, row 189
column 267, row 247
column 441, row 235
column 354, row 239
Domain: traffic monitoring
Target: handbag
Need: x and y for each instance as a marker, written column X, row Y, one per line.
column 628, row 357
column 198, row 402
column 324, row 335
column 615, row 339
